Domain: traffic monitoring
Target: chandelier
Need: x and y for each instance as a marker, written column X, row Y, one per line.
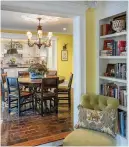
column 46, row 42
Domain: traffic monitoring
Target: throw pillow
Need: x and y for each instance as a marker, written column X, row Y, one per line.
column 103, row 121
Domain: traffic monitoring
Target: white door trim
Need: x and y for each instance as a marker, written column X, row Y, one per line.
column 77, row 12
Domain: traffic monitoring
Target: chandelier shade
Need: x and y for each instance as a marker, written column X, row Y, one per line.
column 40, row 41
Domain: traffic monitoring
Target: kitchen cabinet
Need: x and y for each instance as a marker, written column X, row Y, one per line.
column 2, row 50
column 36, row 51
column 28, row 51
column 39, row 52
column 13, row 72
column 43, row 52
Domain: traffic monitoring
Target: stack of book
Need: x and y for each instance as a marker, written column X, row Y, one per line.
column 122, row 123
column 104, row 29
column 120, row 71
column 114, row 48
column 116, row 91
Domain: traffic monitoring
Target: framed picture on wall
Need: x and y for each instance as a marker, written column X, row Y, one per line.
column 64, row 55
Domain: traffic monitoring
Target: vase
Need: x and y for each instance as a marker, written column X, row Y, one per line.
column 118, row 25
column 36, row 76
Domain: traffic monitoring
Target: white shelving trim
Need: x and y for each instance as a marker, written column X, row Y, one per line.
column 113, row 57
column 122, row 137
column 113, row 79
column 121, row 140
column 114, row 35
column 124, row 108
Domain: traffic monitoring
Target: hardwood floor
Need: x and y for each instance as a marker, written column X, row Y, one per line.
column 33, row 129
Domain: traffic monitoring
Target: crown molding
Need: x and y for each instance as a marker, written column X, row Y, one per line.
column 53, row 8
column 17, row 36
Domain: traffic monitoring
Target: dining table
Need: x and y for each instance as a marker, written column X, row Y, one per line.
column 34, row 84
column 28, row 80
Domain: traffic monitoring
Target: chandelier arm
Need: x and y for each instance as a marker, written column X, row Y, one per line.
column 48, row 44
column 31, row 44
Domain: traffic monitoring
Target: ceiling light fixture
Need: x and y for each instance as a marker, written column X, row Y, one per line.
column 40, row 41
column 64, row 29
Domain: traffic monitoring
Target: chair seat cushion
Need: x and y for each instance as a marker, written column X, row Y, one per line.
column 85, row 137
column 25, row 93
column 22, row 94
column 63, row 89
column 46, row 95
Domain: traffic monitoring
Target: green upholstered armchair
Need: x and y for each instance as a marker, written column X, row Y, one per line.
column 86, row 137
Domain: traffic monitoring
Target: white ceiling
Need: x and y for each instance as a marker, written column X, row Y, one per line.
column 13, row 21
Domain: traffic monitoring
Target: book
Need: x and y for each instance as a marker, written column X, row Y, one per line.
column 122, row 123
column 121, row 46
column 116, row 91
column 104, row 29
column 114, row 48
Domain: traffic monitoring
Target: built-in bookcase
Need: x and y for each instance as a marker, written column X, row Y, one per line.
column 115, row 83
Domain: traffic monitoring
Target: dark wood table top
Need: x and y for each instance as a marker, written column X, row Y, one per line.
column 27, row 80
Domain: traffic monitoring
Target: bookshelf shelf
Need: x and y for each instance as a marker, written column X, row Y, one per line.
column 124, row 108
column 113, row 79
column 114, row 35
column 113, row 57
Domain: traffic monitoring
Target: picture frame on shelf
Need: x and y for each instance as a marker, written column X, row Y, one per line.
column 64, row 55
column 110, row 71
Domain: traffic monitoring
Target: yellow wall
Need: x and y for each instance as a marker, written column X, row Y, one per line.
column 64, row 67
column 91, row 50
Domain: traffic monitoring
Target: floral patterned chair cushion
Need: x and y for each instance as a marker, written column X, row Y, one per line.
column 102, row 121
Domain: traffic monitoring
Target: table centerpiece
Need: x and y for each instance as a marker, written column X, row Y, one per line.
column 37, row 70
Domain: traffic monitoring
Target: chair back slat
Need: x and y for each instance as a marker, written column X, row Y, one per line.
column 22, row 74
column 13, row 83
column 52, row 73
column 70, row 81
column 50, row 82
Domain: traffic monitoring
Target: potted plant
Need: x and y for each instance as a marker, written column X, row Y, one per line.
column 37, row 71
column 12, row 60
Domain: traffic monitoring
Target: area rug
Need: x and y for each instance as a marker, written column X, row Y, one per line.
column 44, row 140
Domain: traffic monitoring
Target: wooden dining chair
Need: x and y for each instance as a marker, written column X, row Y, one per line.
column 64, row 93
column 4, row 87
column 52, row 73
column 23, row 74
column 48, row 95
column 18, row 100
